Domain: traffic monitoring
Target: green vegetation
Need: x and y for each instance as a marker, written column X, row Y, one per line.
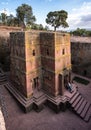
column 3, row 18
column 24, row 18
column 25, row 15
column 39, row 27
column 57, row 18
column 81, row 80
column 81, row 32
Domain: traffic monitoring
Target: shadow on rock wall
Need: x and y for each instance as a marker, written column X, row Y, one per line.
column 4, row 53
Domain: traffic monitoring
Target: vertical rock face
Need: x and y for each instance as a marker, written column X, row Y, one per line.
column 81, row 55
column 37, row 60
column 18, row 60
column 5, row 46
column 4, row 50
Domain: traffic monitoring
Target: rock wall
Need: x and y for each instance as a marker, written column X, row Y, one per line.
column 81, row 57
column 5, row 52
column 5, row 46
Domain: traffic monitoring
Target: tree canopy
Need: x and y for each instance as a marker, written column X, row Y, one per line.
column 57, row 19
column 25, row 14
column 3, row 18
column 25, row 18
column 81, row 32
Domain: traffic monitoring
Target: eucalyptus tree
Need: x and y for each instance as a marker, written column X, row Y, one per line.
column 25, row 14
column 57, row 19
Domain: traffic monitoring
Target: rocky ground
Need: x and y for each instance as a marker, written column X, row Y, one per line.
column 2, row 122
column 16, row 119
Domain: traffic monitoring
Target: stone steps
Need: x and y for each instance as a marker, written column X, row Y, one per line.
column 76, row 102
column 56, row 100
column 3, row 78
column 80, row 106
column 74, row 98
column 85, row 110
column 24, row 101
column 39, row 98
column 88, row 115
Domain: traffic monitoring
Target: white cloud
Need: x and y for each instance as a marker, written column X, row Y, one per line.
column 80, row 17
column 4, row 3
column 7, row 11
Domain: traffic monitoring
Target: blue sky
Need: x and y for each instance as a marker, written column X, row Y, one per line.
column 79, row 11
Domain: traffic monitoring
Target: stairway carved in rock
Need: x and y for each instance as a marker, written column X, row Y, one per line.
column 80, row 106
column 3, row 78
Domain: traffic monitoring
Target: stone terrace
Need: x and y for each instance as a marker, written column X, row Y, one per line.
column 46, row 119
column 80, row 39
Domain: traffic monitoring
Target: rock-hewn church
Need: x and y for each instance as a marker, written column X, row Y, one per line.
column 40, row 68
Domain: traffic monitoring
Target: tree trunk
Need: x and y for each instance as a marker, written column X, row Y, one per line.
column 54, row 28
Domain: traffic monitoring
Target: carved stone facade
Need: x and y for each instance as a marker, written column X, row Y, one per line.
column 40, row 61
column 55, row 59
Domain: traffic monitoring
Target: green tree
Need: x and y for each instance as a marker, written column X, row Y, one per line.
column 57, row 19
column 89, row 33
column 10, row 20
column 25, row 14
column 41, row 27
column 37, row 27
column 16, row 21
column 4, row 18
column 79, row 32
column 0, row 19
column 46, row 28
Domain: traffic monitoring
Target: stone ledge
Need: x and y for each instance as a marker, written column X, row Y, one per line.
column 37, row 100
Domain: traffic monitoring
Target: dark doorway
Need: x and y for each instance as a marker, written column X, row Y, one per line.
column 85, row 72
column 66, row 80
column 61, row 89
column 35, row 83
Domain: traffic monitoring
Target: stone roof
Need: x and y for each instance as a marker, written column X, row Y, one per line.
column 79, row 39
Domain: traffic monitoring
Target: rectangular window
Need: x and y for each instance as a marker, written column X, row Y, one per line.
column 47, row 52
column 33, row 53
column 63, row 51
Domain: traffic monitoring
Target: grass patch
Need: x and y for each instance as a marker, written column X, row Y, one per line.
column 81, row 80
